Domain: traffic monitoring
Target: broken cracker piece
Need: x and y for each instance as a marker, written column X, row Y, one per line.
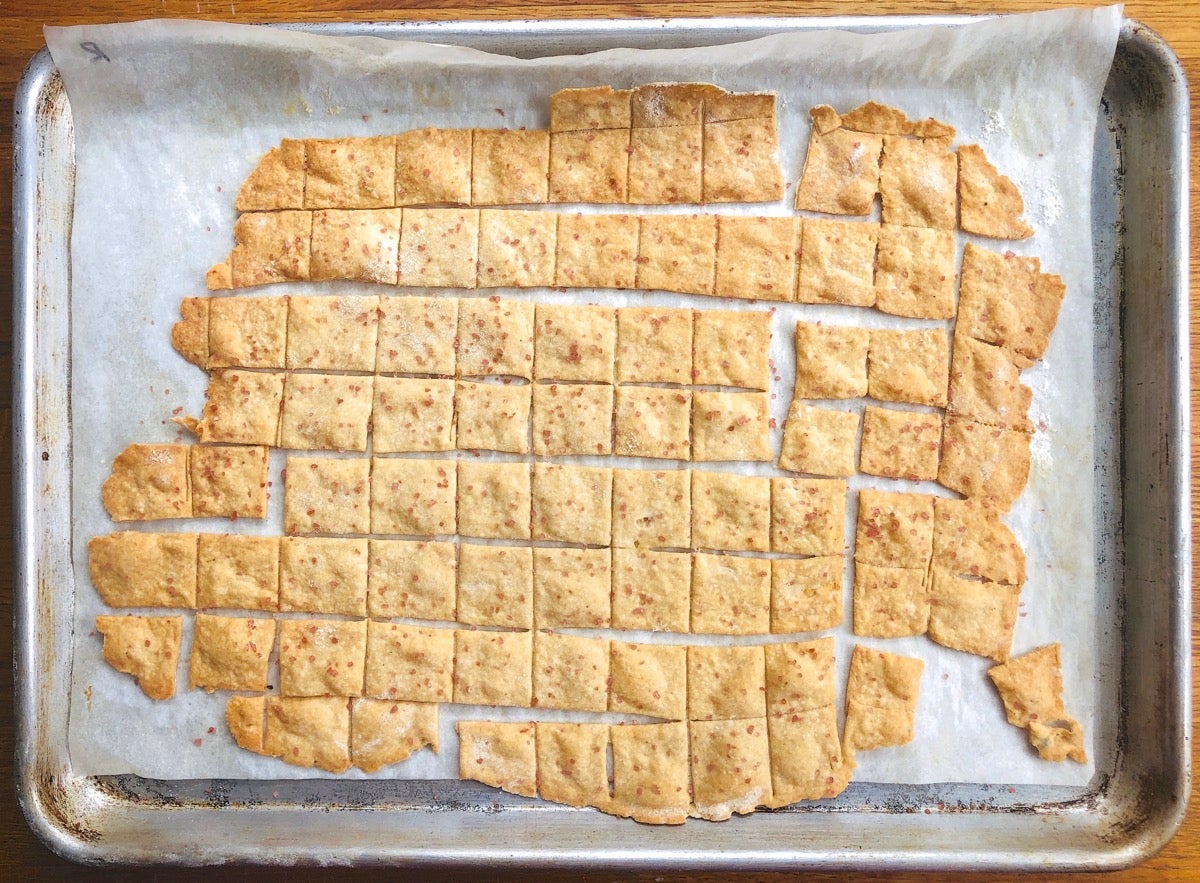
column 972, row 616
column 136, row 569
column 987, row 462
column 241, row 407
column 731, row 767
column 277, row 182
column 989, row 203
column 841, row 170
column 503, row 755
column 146, row 647
column 383, row 732
column 245, row 717
column 871, row 116
column 970, row 539
column 149, row 482
column 1030, row 687
column 189, row 336
column 650, row 772
column 268, row 247
column 309, row 731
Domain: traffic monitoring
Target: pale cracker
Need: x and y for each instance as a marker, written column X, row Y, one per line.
column 732, row 348
column 651, row 591
column 572, row 763
column 984, row 461
column 267, row 247
column 650, row 772
column 909, row 366
column 439, row 248
column 230, row 653
column 516, row 248
column 914, row 272
column 726, row 683
column 277, row 182
column 509, row 166
column 358, row 245
column 242, row 407
column 146, row 647
column 570, row 672
column 324, row 496
column 818, row 441
column 148, row 482
column 731, row 595
column 596, row 251
column 325, row 412
column 589, row 166
column 412, row 579
column 409, row 663
column 972, row 616
column 494, row 500
column 654, row 345
column 417, row 335
column 881, row 699
column 652, row 508
column 323, row 575
column 572, row 504
column 495, row 336
column 806, row 756
column 495, row 585
column 247, row 332
column 837, row 262
column 970, row 539
column 309, row 731
column 731, row 511
column 989, row 204
column 665, row 165
column 985, row 385
column 894, row 529
column 237, row 572
column 228, row 481
column 572, row 419
column 590, row 107
column 648, row 679
column 800, row 676
column 731, row 426
column 831, row 361
column 503, row 755
column 841, row 173
column 720, row 105
column 492, row 417
column 806, row 594
column 433, row 167
column 413, row 497
column 412, row 414
column 917, row 180
column 572, row 342
column 756, row 257
column 731, row 767
column 668, row 104
column 493, row 668
column 321, row 657
column 900, row 444
column 890, row 602
column 350, row 172
column 572, row 588
column 677, row 253
column 741, row 161
column 653, row 422
column 136, row 569
column 383, row 733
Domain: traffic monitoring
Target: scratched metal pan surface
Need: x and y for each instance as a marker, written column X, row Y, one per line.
column 1132, row 806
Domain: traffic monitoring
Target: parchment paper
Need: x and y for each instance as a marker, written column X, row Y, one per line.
column 170, row 116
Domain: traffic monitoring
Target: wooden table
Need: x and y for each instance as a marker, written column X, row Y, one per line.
column 21, row 855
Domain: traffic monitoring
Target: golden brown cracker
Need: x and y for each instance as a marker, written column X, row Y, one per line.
column 572, row 588
column 808, row 515
column 890, row 602
column 590, row 166
column 267, row 247
column 654, row 345
column 900, row 444
column 741, row 161
column 894, row 529
column 881, row 699
column 653, row 422
column 806, row 756
column 190, row 334
column 648, row 679
column 572, row 504
column 230, row 653
column 909, row 366
column 246, row 718
column 433, row 167
column 383, row 732
column 818, row 441
column 309, row 731
column 914, row 272
column 358, row 245
column 732, row 348
column 731, row 426
column 989, row 203
column 573, row 342
column 731, row 767
column 972, row 616
column 841, row 171
column 323, row 575
column 325, row 412
column 242, row 407
column 800, row 676
column 326, row 496
column 665, row 165
column 590, row 107
column 146, row 647
column 503, row 755
column 831, row 361
column 651, row 591
column 985, row 386
column 319, row 657
column 228, row 481
column 408, row 663
column 493, row 668
column 439, row 248
column 987, row 462
column 509, row 166
column 570, row 672
column 412, row 579
column 277, row 182
column 413, row 497
column 652, row 508
column 917, row 180
column 350, row 172
column 237, row 572
column 806, row 594
column 494, row 500
column 970, row 539
column 516, row 248
column 731, row 511
column 495, row 586
column 596, row 251
column 247, row 332
column 726, row 682
column 837, row 262
column 572, row 763
column 731, row 595
column 148, row 482
column 650, row 772
column 412, row 414
column 677, row 253
column 417, row 335
column 136, row 569
column 495, row 336
column 572, row 419
column 756, row 257
column 492, row 417
column 1031, row 688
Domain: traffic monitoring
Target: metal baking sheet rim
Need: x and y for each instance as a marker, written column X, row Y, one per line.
column 1132, row 808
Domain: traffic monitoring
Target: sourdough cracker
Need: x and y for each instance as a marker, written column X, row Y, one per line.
column 358, row 245
column 841, row 171
column 350, row 172
column 881, row 699
column 494, row 500
column 651, row 591
column 731, row 595
column 277, row 182
column 412, row 579
column 650, row 772
column 230, row 653
column 322, row 657
column 589, row 166
column 247, row 332
column 985, row 386
column 918, row 182
column 383, row 732
column 972, row 616
column 740, row 161
column 731, row 767
column 323, row 575
column 989, row 204
column 590, row 107
column 831, row 361
column 503, row 755
column 570, row 672
column 439, row 248
column 806, row 594
column 332, row 333
column 417, row 335
column 596, row 251
column 493, row 668
column 495, row 586
column 228, row 481
column 909, row 366
column 408, row 663
column 654, row 345
column 325, row 412
column 731, row 426
column 572, row 504
column 237, row 572
column 890, row 602
column 413, row 497
column 412, row 414
column 900, row 444
column 665, row 165
column 653, row 422
column 677, row 253
column 572, row 419
column 652, row 508
column 324, row 496
column 986, row 462
column 819, row 441
column 806, row 756
column 516, row 248
column 915, row 272
column 756, row 257
column 495, row 336
column 146, row 647
column 1030, row 687
column 509, row 166
column 572, row 588
column 136, row 569
column 894, row 529
column 808, row 515
column 241, row 407
column 837, row 262
column 648, row 679
column 572, row 763
column 433, row 167
column 309, row 731
column 574, row 342
column 732, row 349
column 730, row 511
column 148, row 482
column 970, row 539
column 726, row 682
column 492, row 417
column 800, row 677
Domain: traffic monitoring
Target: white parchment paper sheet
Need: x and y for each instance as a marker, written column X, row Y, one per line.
column 170, row 117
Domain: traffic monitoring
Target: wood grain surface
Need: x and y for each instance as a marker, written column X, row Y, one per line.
column 22, row 857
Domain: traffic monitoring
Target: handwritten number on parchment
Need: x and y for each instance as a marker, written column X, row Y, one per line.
column 95, row 51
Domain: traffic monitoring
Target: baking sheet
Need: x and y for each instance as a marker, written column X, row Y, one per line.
column 159, row 159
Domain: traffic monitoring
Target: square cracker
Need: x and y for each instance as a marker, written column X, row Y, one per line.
column 572, row 763
column 417, row 335
column 890, row 602
column 677, row 253
column 808, row 516
column 503, row 755
column 572, row 588
column 589, row 166
column 572, row 504
column 756, row 257
column 665, row 165
column 650, row 772
column 325, row 496
column 146, row 647
column 972, row 616
column 900, row 444
column 277, row 181
column 333, row 333
column 412, row 414
column 495, row 336
column 806, row 756
column 590, row 107
column 412, row 579
column 350, row 172
column 730, row 511
column 572, row 342
column 914, row 272
column 325, row 412
column 1006, row 300
column 596, row 251
column 806, row 594
column 433, row 167
column 439, row 248
column 909, row 366
column 493, row 668
column 652, row 508
column 731, row 426
column 409, row 663
column 881, row 699
column 819, row 441
column 320, row 657
column 987, row 462
column 841, row 173
column 229, row 481
column 653, row 422
column 800, row 677
column 309, row 731
column 268, row 247
column 570, row 672
column 726, row 683
column 731, row 595
column 493, row 500
column 495, row 586
column 148, row 482
column 1031, row 688
column 985, row 386
column 894, row 529
column 831, row 361
column 516, row 248
column 572, row 419
column 648, row 679
column 242, row 407
column 238, row 572
column 970, row 539
column 247, row 332
column 230, row 653
column 732, row 348
column 385, row 732
column 651, row 591
column 413, row 497
column 837, row 262
column 359, row 245
column 740, row 161
column 731, row 767
column 989, row 204
column 509, row 166
column 492, row 417
column 323, row 575
column 918, row 182
column 136, row 569
column 668, row 104
column 654, row 345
